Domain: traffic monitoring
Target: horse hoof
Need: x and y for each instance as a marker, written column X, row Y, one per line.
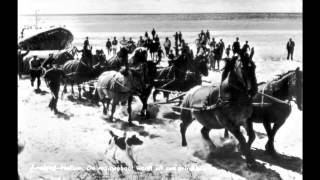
column 184, row 144
column 131, row 124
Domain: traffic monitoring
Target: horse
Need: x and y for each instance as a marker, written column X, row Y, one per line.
column 226, row 106
column 78, row 72
column 113, row 85
column 115, row 62
column 266, row 110
column 53, row 79
column 183, row 75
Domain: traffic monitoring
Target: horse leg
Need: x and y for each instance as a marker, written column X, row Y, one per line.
column 130, row 110
column 251, row 133
column 205, row 134
column 113, row 109
column 154, row 95
column 235, row 130
column 270, row 144
column 79, row 90
column 166, row 95
column 72, row 91
column 65, row 87
column 186, row 118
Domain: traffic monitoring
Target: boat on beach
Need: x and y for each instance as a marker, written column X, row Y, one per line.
column 53, row 38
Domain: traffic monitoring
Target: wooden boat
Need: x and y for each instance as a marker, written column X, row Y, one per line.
column 54, row 38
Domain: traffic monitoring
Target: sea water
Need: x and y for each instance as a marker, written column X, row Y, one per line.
column 268, row 33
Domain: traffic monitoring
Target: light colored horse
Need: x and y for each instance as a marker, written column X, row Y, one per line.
column 113, row 85
column 233, row 111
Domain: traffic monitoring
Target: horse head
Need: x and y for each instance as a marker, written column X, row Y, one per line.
column 242, row 76
column 296, row 84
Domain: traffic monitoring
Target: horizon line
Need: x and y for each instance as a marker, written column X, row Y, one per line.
column 91, row 14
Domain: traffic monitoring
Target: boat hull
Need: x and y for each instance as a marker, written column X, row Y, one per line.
column 53, row 39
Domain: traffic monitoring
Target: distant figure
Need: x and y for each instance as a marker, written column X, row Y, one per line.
column 170, row 57
column 167, row 45
column 290, row 49
column 228, row 51
column 180, row 38
column 123, row 41
column 207, row 36
column 236, row 47
column 146, row 35
column 157, row 38
column 114, row 45
column 131, row 41
column 176, row 38
column 148, row 43
column 48, row 63
column 86, row 43
column 221, row 48
column 202, row 35
column 140, row 42
column 212, row 44
column 108, row 46
column 20, row 61
column 246, row 47
column 153, row 32
column 35, row 71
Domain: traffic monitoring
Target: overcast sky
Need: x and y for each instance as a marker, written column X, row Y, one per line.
column 156, row 6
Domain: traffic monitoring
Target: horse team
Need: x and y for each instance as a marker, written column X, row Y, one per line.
column 237, row 101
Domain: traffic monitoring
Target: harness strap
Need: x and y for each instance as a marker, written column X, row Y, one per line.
column 262, row 97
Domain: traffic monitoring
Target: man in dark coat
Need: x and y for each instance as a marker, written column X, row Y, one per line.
column 290, row 49
column 108, row 46
column 236, row 47
column 35, row 71
column 153, row 32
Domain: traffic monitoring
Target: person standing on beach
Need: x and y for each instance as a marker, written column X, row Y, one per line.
column 228, row 51
column 180, row 38
column 290, row 49
column 167, row 45
column 140, row 42
column 236, row 46
column 35, row 71
column 245, row 47
column 153, row 32
column 212, row 44
column 123, row 41
column 157, row 38
column 146, row 35
column 207, row 36
column 108, row 46
column 221, row 48
column 176, row 37
column 114, row 45
column 202, row 35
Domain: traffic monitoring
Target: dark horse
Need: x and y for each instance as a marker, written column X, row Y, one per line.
column 115, row 86
column 230, row 103
column 267, row 111
column 78, row 72
column 184, row 74
column 53, row 79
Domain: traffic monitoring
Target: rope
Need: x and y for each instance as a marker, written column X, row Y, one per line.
column 273, row 98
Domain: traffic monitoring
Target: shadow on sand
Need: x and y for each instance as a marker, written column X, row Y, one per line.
column 232, row 161
column 63, row 115
column 41, row 92
column 82, row 101
column 287, row 162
